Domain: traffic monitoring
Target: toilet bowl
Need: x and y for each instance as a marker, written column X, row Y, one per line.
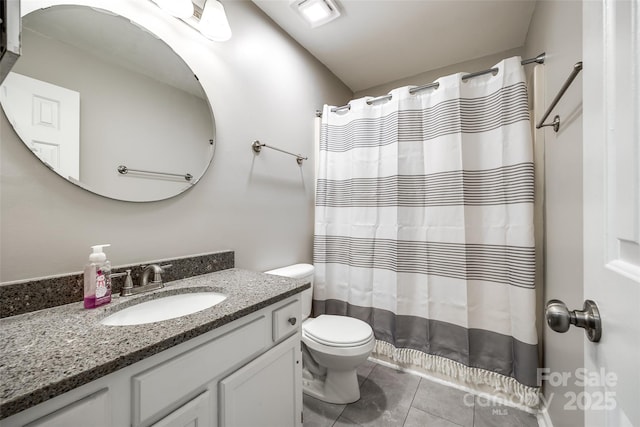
column 333, row 347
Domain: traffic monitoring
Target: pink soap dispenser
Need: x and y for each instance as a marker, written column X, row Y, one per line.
column 97, row 279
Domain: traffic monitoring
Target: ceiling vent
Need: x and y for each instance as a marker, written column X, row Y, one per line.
column 316, row 12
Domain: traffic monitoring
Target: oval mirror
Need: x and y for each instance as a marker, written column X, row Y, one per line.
column 108, row 105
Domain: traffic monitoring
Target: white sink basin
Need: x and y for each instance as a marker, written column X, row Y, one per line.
column 164, row 308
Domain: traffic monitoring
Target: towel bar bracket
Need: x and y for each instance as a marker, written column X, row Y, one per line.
column 555, row 123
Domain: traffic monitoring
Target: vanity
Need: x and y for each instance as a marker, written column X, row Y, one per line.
column 237, row 363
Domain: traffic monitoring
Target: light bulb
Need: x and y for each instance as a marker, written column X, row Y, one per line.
column 178, row 8
column 213, row 23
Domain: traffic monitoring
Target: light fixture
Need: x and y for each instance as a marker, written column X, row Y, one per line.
column 213, row 22
column 315, row 12
column 206, row 16
column 178, row 8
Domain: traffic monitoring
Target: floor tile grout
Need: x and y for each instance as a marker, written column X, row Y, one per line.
column 339, row 415
column 411, row 404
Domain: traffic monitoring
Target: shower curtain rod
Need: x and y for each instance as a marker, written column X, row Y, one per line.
column 538, row 59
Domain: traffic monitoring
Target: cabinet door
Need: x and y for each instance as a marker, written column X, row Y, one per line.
column 195, row 413
column 266, row 392
column 92, row 411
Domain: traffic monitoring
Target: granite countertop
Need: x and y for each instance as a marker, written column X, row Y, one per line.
column 49, row 352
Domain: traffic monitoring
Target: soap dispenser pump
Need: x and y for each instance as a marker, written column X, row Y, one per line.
column 97, row 278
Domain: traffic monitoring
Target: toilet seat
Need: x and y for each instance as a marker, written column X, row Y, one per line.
column 337, row 331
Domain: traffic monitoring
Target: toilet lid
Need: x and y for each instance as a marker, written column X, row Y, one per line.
column 338, row 331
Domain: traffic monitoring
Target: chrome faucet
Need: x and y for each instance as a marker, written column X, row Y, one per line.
column 145, row 284
column 157, row 275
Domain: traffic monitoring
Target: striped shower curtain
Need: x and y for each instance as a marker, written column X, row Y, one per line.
column 424, row 228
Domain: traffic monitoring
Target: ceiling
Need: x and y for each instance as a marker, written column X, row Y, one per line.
column 379, row 41
column 115, row 40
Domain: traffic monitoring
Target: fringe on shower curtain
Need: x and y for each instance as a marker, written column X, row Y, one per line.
column 503, row 386
column 424, row 228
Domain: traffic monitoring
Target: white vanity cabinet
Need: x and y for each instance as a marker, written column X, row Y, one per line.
column 243, row 374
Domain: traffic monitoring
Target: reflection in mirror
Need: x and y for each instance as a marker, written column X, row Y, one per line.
column 93, row 92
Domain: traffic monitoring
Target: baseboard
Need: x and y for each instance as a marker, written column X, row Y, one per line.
column 543, row 418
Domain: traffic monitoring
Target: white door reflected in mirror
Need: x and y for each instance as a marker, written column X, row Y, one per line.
column 47, row 119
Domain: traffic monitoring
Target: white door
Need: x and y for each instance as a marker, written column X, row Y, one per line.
column 47, row 119
column 612, row 209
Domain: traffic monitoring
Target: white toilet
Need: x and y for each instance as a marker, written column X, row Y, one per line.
column 333, row 347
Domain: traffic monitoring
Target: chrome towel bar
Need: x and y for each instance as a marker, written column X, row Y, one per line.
column 556, row 120
column 124, row 170
column 257, row 146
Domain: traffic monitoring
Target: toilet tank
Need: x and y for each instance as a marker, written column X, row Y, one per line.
column 299, row 271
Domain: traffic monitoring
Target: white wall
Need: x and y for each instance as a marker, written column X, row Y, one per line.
column 556, row 28
column 261, row 85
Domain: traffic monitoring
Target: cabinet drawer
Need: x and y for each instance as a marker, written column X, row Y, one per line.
column 94, row 409
column 165, row 387
column 286, row 319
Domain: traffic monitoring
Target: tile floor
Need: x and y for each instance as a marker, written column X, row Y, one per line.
column 391, row 398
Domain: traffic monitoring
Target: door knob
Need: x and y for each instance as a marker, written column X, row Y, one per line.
column 559, row 318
